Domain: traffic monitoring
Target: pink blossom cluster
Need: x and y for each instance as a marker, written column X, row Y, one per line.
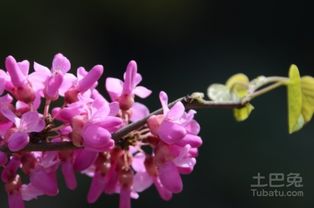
column 48, row 106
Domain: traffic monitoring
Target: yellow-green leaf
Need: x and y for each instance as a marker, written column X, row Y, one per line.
column 238, row 84
column 307, row 85
column 219, row 93
column 294, row 99
column 243, row 113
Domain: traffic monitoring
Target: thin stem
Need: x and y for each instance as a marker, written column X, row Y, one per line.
column 46, row 108
column 266, row 90
column 51, row 146
column 262, row 91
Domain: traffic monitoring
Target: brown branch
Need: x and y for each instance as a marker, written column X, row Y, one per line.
column 188, row 101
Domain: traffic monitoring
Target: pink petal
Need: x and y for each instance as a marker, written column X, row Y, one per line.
column 52, row 86
column 138, row 162
column 142, row 92
column 137, row 79
column 99, row 100
column 114, row 87
column 18, row 141
column 68, row 82
column 131, row 71
column 141, row 181
column 111, row 123
column 15, row 200
column 193, row 127
column 125, row 197
column 170, row 177
column 29, row 192
column 32, row 122
column 139, row 111
column 9, row 172
column 164, row 101
column 112, row 180
column 176, row 112
column 4, row 127
column 2, row 85
column 84, row 159
column 17, row 76
column 189, row 139
column 68, row 174
column 41, row 71
column 171, row 132
column 24, row 67
column 90, row 79
column 96, row 188
column 163, row 192
column 81, row 72
column 6, row 112
column 154, row 123
column 97, row 138
column 114, row 108
column 44, row 182
column 61, row 63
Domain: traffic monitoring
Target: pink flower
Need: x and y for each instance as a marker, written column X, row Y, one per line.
column 52, row 82
column 86, row 81
column 43, row 179
column 29, row 122
column 175, row 126
column 18, row 71
column 124, row 92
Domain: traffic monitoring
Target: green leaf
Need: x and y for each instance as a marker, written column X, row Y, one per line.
column 238, row 84
column 294, row 100
column 241, row 114
column 236, row 88
column 307, row 85
column 219, row 93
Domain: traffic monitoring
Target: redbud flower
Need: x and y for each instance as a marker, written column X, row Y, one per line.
column 18, row 72
column 29, row 122
column 124, row 92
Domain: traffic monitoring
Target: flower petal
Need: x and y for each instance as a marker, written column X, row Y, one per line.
column 171, row 132
column 141, row 181
column 18, row 141
column 17, row 76
column 170, row 177
column 68, row 174
column 60, row 63
column 164, row 193
column 114, row 87
column 176, row 112
column 139, row 111
column 15, row 200
column 142, row 92
column 45, row 182
column 97, row 138
column 84, row 159
column 163, row 97
column 131, row 71
column 32, row 122
column 96, row 188
column 90, row 79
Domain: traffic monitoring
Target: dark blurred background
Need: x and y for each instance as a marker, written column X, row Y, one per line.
column 181, row 47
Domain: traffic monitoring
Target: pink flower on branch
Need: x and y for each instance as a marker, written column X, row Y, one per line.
column 67, row 115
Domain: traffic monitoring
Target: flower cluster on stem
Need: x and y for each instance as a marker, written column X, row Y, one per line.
column 41, row 109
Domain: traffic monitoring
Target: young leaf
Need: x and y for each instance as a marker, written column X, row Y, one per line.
column 241, row 114
column 238, row 84
column 294, row 100
column 307, row 85
column 236, row 88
